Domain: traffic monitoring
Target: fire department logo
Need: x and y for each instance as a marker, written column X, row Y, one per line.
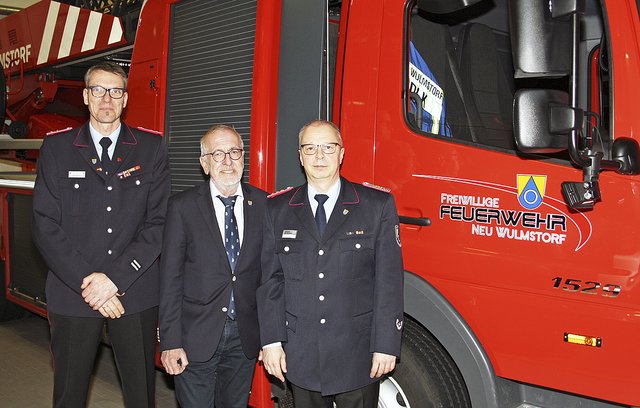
column 531, row 190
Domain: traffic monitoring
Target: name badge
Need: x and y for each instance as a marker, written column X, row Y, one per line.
column 76, row 174
column 291, row 234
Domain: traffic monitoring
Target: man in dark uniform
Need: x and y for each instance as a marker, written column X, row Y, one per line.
column 99, row 205
column 209, row 274
column 331, row 292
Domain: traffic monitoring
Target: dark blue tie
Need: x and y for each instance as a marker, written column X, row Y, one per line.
column 231, row 243
column 321, row 216
column 105, row 142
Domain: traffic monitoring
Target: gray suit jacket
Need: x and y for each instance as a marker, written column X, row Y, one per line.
column 196, row 279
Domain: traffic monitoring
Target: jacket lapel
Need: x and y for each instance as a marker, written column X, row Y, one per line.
column 87, row 150
column 299, row 203
column 250, row 216
column 126, row 143
column 347, row 202
column 209, row 216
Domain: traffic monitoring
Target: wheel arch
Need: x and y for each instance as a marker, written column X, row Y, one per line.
column 427, row 306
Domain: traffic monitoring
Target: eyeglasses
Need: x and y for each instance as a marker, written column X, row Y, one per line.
column 219, row 155
column 100, row 91
column 327, row 148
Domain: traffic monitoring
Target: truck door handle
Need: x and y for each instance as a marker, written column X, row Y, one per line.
column 420, row 221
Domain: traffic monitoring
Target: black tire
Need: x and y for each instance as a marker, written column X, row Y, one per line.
column 426, row 374
column 18, row 130
column 8, row 310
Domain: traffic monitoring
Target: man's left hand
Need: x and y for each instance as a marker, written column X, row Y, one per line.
column 97, row 288
column 382, row 364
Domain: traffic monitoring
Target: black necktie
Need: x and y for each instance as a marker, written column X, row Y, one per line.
column 321, row 216
column 105, row 142
column 231, row 243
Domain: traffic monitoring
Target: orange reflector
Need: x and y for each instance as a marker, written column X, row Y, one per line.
column 583, row 340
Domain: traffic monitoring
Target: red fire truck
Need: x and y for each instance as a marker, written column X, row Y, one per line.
column 506, row 131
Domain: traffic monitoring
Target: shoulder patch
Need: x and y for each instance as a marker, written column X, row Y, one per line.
column 376, row 187
column 156, row 132
column 53, row 132
column 279, row 192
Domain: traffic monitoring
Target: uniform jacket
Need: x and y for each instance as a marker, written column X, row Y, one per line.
column 196, row 278
column 85, row 221
column 334, row 300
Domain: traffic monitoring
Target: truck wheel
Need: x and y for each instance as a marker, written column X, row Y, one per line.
column 18, row 130
column 426, row 376
column 8, row 310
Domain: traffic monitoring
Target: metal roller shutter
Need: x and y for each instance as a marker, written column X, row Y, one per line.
column 210, row 77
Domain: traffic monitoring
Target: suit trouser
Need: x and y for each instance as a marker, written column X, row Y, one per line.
column 223, row 381
column 74, row 342
column 365, row 397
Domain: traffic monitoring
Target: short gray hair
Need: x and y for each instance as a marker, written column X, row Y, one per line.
column 320, row 122
column 214, row 129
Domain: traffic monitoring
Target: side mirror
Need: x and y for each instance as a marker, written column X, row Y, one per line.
column 543, row 119
column 541, row 37
column 626, row 153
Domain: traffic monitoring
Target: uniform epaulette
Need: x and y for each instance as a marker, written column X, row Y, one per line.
column 157, row 132
column 376, row 187
column 277, row 193
column 53, row 132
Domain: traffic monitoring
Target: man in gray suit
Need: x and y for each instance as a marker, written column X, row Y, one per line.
column 331, row 292
column 209, row 273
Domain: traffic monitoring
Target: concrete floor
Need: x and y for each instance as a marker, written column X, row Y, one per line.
column 26, row 377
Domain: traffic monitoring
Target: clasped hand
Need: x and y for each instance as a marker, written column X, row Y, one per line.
column 100, row 293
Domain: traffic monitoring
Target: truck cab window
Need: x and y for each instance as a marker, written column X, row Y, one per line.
column 460, row 77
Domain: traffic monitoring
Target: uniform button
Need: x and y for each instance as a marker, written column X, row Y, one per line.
column 321, row 297
column 233, row 279
column 286, row 249
column 137, row 182
column 109, row 208
column 109, row 188
column 286, row 323
column 109, row 252
column 109, row 230
column 321, row 252
column 321, row 275
column 358, row 246
column 323, row 321
column 76, row 186
column 224, row 309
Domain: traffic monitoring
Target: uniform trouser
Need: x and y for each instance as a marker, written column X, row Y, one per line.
column 224, row 381
column 74, row 343
column 365, row 397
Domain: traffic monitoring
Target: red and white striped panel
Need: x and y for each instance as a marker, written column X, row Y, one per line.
column 69, row 31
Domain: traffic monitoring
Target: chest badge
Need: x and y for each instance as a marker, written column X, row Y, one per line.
column 290, row 234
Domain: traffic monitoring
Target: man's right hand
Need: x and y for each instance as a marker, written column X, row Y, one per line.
column 275, row 361
column 112, row 308
column 170, row 362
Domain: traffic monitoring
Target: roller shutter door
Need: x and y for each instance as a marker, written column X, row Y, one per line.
column 209, row 79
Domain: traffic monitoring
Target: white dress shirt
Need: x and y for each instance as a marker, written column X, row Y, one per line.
column 238, row 209
column 96, row 136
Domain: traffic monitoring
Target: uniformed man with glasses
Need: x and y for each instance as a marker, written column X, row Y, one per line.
column 99, row 206
column 330, row 303
column 209, row 274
